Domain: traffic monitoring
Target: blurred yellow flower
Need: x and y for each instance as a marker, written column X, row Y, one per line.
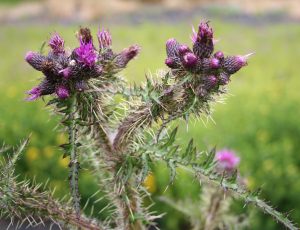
column 32, row 154
column 64, row 162
column 61, row 139
column 48, row 151
column 149, row 183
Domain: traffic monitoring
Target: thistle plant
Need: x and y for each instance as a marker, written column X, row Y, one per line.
column 122, row 131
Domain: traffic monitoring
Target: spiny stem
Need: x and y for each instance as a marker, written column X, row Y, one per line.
column 248, row 197
column 74, row 163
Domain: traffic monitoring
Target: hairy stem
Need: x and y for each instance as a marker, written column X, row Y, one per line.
column 74, row 163
column 30, row 202
column 248, row 197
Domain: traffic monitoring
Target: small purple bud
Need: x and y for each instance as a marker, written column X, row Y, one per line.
column 227, row 160
column 214, row 63
column 104, row 39
column 189, row 60
column 57, row 44
column 170, row 62
column 211, row 81
column 66, row 72
column 219, row 55
column 183, row 49
column 62, row 92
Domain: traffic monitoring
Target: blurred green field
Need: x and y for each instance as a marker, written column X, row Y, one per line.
column 260, row 119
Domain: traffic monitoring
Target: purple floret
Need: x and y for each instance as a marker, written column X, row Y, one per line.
column 57, row 44
column 85, row 54
column 227, row 160
column 34, row 94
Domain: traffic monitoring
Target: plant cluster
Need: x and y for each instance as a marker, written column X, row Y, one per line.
column 122, row 131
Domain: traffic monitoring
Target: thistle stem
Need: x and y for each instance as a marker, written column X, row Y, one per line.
column 74, row 163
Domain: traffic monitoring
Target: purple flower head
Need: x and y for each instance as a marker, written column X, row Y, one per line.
column 85, row 54
column 219, row 55
column 34, row 93
column 66, row 72
column 189, row 60
column 203, row 44
column 227, row 160
column 211, row 81
column 204, row 34
column 57, row 44
column 62, row 92
column 104, row 39
column 36, row 60
column 126, row 55
column 232, row 64
column 214, row 63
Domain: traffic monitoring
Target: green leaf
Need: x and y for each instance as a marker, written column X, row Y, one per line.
column 210, row 158
column 171, row 139
column 188, row 150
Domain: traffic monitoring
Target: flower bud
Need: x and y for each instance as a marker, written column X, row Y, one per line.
column 232, row 64
column 44, row 88
column 183, row 49
column 126, row 55
column 172, row 48
column 62, row 92
column 211, row 81
column 36, row 60
column 189, row 60
column 203, row 41
column 219, row 55
column 57, row 44
column 208, row 65
column 104, row 39
column 170, row 62
column 214, row 63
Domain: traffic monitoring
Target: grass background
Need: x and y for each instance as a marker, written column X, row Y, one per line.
column 260, row 119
